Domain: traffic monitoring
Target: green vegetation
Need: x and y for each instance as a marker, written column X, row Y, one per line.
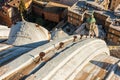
column 40, row 21
column 22, row 8
column 47, row 24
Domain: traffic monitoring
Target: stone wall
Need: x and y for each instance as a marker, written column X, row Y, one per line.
column 113, row 36
column 66, row 2
column 37, row 10
column 100, row 18
column 107, row 24
column 9, row 16
column 52, row 16
column 74, row 18
column 5, row 20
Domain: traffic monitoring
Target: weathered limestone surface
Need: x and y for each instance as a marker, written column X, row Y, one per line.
column 27, row 33
column 83, row 59
column 101, row 67
column 62, row 66
column 4, row 46
column 4, row 32
column 30, row 57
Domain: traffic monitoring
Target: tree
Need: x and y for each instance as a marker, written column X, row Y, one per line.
column 22, row 8
column 40, row 21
